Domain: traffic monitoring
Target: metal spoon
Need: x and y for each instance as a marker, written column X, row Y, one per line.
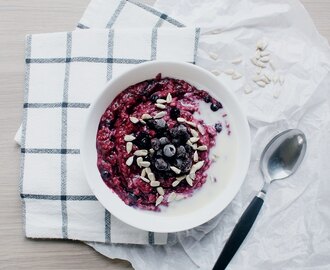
column 280, row 159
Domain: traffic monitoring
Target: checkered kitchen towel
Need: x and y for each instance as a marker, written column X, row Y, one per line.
column 64, row 72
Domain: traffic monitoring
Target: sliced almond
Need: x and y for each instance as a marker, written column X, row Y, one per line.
column 146, row 116
column 159, row 200
column 129, row 138
column 171, row 197
column 265, row 59
column 148, row 170
column 194, row 139
column 160, row 191
column 134, row 120
column 261, row 83
column 143, row 173
column 198, row 165
column 262, row 44
column 155, row 183
column 194, row 132
column 151, row 151
column 179, row 197
column 142, row 121
column 161, row 101
column 191, row 123
column 216, row 72
column 129, row 161
column 176, row 182
column 236, row 61
column 145, row 164
column 202, row 148
column 264, row 53
column 180, row 178
column 229, row 71
column 201, row 129
column 192, row 175
column 236, row 76
column 247, row 89
column 195, row 156
column 175, row 169
column 213, row 55
column 160, row 115
column 151, row 177
column 189, row 181
column 169, row 98
column 141, row 153
column 129, row 147
column 139, row 160
column 194, row 146
column 181, row 120
column 160, row 106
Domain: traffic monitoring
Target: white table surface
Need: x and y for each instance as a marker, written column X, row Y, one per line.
column 18, row 18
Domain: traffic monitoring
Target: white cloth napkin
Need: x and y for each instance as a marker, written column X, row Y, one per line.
column 292, row 230
column 64, row 72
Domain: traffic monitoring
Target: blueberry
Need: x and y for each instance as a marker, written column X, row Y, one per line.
column 216, row 106
column 155, row 144
column 160, row 124
column 218, row 127
column 169, row 150
column 105, row 174
column 182, row 128
column 176, row 142
column 174, row 132
column 207, row 98
column 143, row 140
column 188, row 148
column 164, row 140
column 180, row 151
column 161, row 164
column 154, row 97
column 186, row 165
column 158, row 77
column 178, row 163
column 159, row 153
column 174, row 113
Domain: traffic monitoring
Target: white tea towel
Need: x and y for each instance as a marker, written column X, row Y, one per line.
column 64, row 72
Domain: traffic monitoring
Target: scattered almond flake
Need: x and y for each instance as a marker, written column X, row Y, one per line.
column 176, row 182
column 216, row 72
column 265, row 59
column 159, row 115
column 142, row 121
column 191, row 123
column 216, row 31
column 268, row 76
column 259, row 71
column 236, row 76
column 180, row 178
column 189, row 181
column 181, row 120
column 159, row 200
column 271, row 64
column 129, row 147
column 146, row 116
column 277, row 93
column 189, row 143
column 281, row 79
column 145, row 179
column 265, row 53
column 194, row 146
column 171, row 197
column 198, row 165
column 169, row 98
column 134, row 120
column 129, row 161
column 179, row 197
column 213, row 55
column 262, row 44
column 202, row 148
column 194, row 139
column 258, row 63
column 148, row 170
column 139, row 160
column 194, row 132
column 129, row 138
column 143, row 173
column 256, row 78
column 145, row 164
column 141, row 153
column 265, row 80
column 275, row 78
column 237, row 61
column 161, row 101
column 160, row 190
column 229, row 71
column 192, row 175
column 155, row 183
column 151, row 151
column 195, row 156
column 261, row 83
column 247, row 89
column 151, row 177
column 215, row 157
column 175, row 169
column 160, row 106
column 201, row 129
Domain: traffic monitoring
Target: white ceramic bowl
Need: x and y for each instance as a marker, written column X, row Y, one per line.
column 149, row 220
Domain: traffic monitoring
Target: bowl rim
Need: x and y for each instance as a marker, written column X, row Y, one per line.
column 161, row 224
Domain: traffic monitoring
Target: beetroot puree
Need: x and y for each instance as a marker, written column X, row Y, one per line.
column 174, row 144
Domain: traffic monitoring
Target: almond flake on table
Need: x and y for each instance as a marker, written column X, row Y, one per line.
column 213, row 55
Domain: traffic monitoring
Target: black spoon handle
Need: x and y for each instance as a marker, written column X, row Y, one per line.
column 240, row 231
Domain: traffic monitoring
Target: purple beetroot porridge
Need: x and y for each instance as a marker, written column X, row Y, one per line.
column 151, row 149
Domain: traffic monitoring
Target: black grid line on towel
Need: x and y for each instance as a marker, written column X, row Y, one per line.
column 115, row 15
column 157, row 13
column 82, row 26
column 28, row 47
column 107, row 215
column 84, row 59
column 59, row 197
column 61, row 151
column 197, row 35
column 56, row 105
column 64, row 138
